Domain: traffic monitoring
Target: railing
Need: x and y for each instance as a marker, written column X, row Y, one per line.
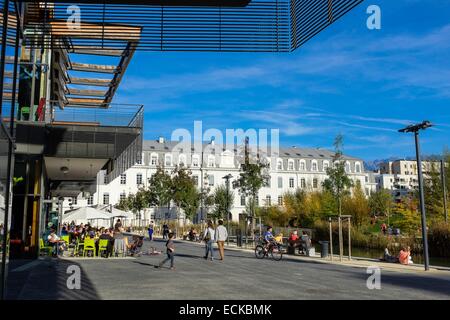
column 117, row 115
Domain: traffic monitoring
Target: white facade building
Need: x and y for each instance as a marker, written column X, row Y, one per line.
column 290, row 168
column 400, row 176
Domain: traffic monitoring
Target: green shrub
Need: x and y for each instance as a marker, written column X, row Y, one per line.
column 439, row 239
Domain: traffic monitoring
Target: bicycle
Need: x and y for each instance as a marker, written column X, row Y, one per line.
column 275, row 250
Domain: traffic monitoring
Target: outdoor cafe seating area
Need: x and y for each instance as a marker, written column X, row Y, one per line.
column 85, row 240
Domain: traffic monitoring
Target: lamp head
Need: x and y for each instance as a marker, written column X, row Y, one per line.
column 416, row 127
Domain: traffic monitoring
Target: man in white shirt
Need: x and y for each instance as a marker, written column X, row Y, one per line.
column 221, row 236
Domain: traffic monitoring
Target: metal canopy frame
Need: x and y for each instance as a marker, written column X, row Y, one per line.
column 259, row 26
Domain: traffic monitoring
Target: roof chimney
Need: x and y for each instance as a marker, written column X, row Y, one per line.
column 161, row 139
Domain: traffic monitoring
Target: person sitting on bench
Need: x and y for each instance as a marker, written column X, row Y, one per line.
column 294, row 239
column 306, row 242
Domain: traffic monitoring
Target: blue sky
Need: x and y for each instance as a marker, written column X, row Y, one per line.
column 365, row 84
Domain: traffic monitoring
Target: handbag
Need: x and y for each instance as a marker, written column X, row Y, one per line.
column 207, row 236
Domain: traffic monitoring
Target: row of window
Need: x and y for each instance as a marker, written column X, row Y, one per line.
column 123, row 179
column 90, row 201
column 182, row 160
column 210, row 181
column 268, row 200
column 315, row 185
column 314, row 165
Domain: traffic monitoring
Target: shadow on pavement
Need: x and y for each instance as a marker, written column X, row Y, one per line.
column 146, row 264
column 184, row 255
column 412, row 281
column 48, row 280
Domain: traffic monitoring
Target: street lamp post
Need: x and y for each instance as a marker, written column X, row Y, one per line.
column 415, row 129
column 227, row 179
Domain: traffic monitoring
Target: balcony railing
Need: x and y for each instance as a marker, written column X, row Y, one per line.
column 117, row 115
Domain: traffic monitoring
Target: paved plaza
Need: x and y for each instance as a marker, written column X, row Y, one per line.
column 240, row 276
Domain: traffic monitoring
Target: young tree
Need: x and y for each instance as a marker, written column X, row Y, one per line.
column 295, row 205
column 433, row 193
column 447, row 177
column 185, row 193
column 381, row 203
column 252, row 178
column 406, row 216
column 160, row 189
column 274, row 215
column 328, row 203
column 206, row 199
column 123, row 204
column 357, row 205
column 338, row 183
column 138, row 202
column 222, row 201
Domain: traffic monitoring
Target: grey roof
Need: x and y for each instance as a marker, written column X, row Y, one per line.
column 290, row 152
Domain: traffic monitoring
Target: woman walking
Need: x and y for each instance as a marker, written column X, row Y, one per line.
column 209, row 240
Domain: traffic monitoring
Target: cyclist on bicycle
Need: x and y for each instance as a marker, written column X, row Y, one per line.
column 268, row 238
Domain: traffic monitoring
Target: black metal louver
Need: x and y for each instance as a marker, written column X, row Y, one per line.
column 261, row 25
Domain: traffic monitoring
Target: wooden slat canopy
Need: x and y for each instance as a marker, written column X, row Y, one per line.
column 95, row 51
column 91, row 82
column 96, row 31
column 86, row 67
column 85, row 101
column 86, row 93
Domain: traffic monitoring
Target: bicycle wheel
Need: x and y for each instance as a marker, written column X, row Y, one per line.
column 259, row 252
column 276, row 253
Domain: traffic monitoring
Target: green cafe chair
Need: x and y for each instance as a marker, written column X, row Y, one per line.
column 79, row 245
column 66, row 239
column 89, row 245
column 25, row 113
column 43, row 247
column 102, row 246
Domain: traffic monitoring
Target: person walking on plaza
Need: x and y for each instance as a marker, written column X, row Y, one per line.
column 221, row 236
column 150, row 231
column 170, row 246
column 165, row 231
column 209, row 237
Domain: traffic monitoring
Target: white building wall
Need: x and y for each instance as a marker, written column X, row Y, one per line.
column 221, row 168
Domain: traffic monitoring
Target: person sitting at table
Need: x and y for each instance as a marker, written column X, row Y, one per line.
column 54, row 241
column 107, row 236
column 64, row 231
